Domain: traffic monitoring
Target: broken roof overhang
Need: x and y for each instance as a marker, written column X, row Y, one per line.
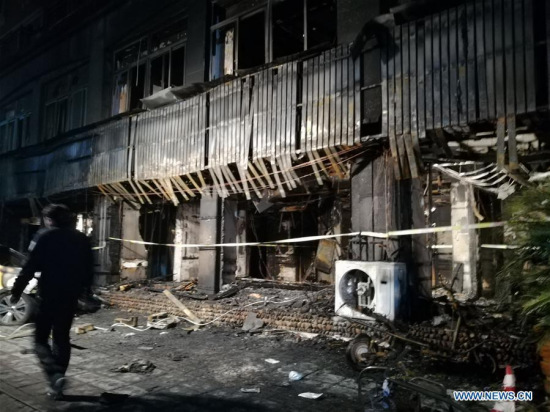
column 489, row 178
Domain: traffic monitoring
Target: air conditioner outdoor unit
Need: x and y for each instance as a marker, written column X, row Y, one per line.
column 377, row 286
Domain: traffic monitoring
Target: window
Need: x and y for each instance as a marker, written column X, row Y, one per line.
column 65, row 103
column 15, row 124
column 239, row 40
column 149, row 65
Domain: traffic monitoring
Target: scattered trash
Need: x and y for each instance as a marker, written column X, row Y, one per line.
column 80, row 329
column 310, row 395
column 272, row 361
column 129, row 334
column 252, row 323
column 124, row 288
column 164, row 323
column 255, row 296
column 157, row 316
column 164, row 333
column 176, row 357
column 250, row 390
column 441, row 320
column 226, row 292
column 145, row 348
column 386, row 388
column 132, row 321
column 295, row 376
column 136, row 366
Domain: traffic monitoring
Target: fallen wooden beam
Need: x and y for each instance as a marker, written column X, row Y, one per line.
column 181, row 306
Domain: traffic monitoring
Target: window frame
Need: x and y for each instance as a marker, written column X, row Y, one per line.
column 145, row 58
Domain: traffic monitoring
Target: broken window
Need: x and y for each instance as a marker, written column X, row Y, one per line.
column 65, row 103
column 148, row 66
column 251, row 50
column 239, row 33
column 288, row 28
column 14, row 124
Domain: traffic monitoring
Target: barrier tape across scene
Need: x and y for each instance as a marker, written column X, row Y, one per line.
column 380, row 235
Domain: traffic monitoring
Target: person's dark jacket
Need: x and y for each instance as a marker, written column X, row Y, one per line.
column 64, row 258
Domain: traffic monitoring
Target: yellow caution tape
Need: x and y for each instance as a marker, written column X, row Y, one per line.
column 273, row 243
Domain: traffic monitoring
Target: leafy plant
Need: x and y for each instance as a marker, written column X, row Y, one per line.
column 528, row 269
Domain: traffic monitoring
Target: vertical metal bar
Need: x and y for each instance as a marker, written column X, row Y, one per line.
column 501, row 135
column 385, row 101
column 500, row 81
column 429, row 69
column 519, row 56
column 509, row 29
column 406, row 79
column 437, row 71
column 421, row 82
column 445, row 91
column 471, row 21
column 462, row 29
column 530, row 53
column 490, row 60
column 398, row 58
column 454, row 84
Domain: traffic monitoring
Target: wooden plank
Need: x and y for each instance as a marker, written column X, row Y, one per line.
column 490, row 59
column 509, row 29
column 512, row 146
column 180, row 182
column 403, row 160
column 181, row 306
column 482, row 96
column 501, row 135
column 179, row 188
column 391, row 106
column 411, row 157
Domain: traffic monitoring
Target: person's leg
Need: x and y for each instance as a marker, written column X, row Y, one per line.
column 44, row 321
column 61, row 339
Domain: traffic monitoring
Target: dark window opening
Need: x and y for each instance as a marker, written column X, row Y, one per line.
column 137, row 86
column 177, row 67
column 174, row 33
column 321, row 23
column 78, row 109
column 288, row 28
column 159, row 73
column 252, row 41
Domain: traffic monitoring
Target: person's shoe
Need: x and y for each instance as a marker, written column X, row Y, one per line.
column 57, row 384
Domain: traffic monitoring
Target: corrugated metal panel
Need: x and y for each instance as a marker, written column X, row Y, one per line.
column 170, row 141
column 99, row 156
column 464, row 65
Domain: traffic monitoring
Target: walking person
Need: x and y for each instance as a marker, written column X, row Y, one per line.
column 64, row 258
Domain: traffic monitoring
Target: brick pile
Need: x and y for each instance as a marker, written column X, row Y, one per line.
column 274, row 318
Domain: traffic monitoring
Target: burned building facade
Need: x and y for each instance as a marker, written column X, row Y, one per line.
column 342, row 125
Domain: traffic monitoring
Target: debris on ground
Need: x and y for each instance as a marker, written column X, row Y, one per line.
column 132, row 321
column 252, row 323
column 163, row 323
column 250, row 390
column 310, row 395
column 80, row 329
column 181, row 306
column 295, row 376
column 136, row 366
column 272, row 361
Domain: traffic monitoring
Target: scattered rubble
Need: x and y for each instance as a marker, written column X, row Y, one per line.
column 310, row 395
column 250, row 390
column 80, row 329
column 136, row 366
column 252, row 323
